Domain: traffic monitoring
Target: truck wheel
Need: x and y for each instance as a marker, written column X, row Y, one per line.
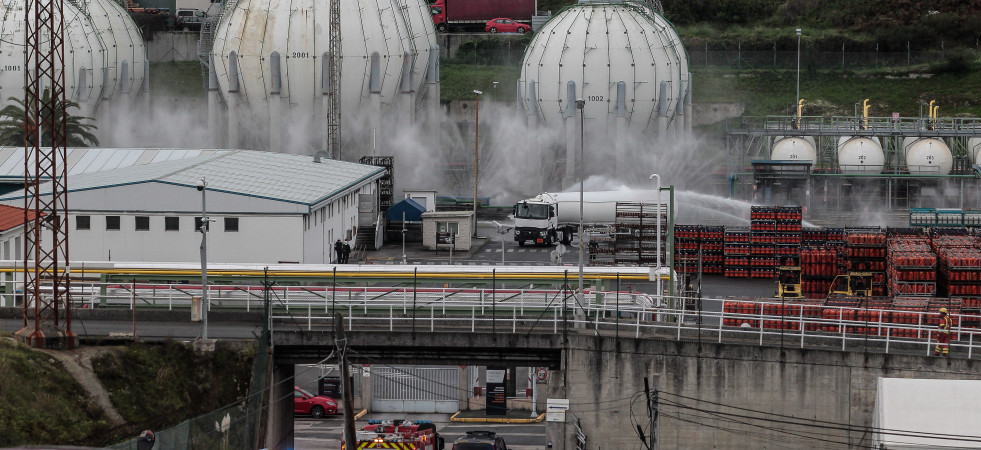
column 493, row 30
column 441, row 28
column 521, row 243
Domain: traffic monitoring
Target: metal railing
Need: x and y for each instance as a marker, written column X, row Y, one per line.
column 380, row 308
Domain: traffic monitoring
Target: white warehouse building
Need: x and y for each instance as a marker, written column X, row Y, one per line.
column 267, row 208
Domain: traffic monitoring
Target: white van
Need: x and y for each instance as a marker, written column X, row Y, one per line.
column 190, row 19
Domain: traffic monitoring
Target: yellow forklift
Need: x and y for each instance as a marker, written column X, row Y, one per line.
column 788, row 282
column 855, row 284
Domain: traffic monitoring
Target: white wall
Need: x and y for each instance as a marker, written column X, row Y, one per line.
column 329, row 222
column 12, row 249
column 259, row 239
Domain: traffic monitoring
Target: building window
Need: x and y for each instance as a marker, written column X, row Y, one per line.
column 197, row 224
column 231, row 224
column 112, row 222
column 142, row 223
column 83, row 222
column 172, row 223
column 448, row 227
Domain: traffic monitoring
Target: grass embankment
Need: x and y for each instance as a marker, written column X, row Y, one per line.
column 157, row 386
column 41, row 403
column 153, row 386
column 774, row 92
column 177, row 78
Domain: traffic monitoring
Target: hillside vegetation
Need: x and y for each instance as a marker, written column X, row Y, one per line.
column 153, row 386
column 828, row 23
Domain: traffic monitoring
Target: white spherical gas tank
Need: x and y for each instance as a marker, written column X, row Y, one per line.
column 83, row 56
column 974, row 150
column 125, row 52
column 927, row 156
column 860, row 154
column 399, row 32
column 599, row 52
column 794, row 148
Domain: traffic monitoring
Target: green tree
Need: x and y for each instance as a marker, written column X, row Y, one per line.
column 12, row 124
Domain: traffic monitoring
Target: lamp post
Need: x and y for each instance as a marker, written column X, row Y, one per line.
column 580, row 105
column 657, row 216
column 798, row 74
column 202, row 186
column 476, row 135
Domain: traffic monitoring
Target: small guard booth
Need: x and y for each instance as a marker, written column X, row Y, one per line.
column 444, row 229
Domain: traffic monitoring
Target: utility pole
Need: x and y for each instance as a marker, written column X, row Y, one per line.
column 341, row 344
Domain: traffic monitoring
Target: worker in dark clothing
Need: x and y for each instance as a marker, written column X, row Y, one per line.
column 338, row 251
column 943, row 334
column 345, row 252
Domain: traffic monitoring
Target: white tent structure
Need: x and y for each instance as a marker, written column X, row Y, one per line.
column 919, row 413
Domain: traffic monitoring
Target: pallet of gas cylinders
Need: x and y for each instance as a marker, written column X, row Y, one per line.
column 911, row 263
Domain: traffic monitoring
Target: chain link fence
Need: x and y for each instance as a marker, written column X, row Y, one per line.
column 817, row 60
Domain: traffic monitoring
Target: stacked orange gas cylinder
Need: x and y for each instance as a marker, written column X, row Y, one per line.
column 865, row 251
column 819, row 265
column 912, row 266
column 959, row 262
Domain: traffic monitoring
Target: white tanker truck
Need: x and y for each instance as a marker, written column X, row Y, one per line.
column 548, row 218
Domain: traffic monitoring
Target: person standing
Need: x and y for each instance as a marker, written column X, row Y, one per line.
column 943, row 334
column 346, row 251
column 338, row 251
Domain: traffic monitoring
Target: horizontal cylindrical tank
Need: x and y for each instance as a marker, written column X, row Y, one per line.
column 587, row 50
column 384, row 43
column 860, row 154
column 600, row 207
column 974, row 149
column 794, row 148
column 927, row 156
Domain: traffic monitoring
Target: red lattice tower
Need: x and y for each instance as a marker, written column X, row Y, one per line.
column 45, row 121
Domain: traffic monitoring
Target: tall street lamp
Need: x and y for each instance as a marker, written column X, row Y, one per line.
column 476, row 136
column 580, row 104
column 798, row 75
column 202, row 186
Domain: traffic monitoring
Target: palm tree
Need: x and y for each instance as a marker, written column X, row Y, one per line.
column 12, row 124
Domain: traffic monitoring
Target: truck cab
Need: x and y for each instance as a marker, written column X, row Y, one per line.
column 535, row 221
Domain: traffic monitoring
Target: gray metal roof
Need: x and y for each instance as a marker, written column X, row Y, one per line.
column 276, row 176
column 87, row 160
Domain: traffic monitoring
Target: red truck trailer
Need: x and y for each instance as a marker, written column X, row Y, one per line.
column 474, row 14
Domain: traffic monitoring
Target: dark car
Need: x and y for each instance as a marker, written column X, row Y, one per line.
column 314, row 405
column 480, row 440
column 503, row 25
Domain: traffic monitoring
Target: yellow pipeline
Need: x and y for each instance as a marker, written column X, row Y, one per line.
column 865, row 114
column 321, row 274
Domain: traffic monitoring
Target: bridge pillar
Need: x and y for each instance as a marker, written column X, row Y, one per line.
column 366, row 387
column 463, row 380
column 279, row 421
column 557, row 433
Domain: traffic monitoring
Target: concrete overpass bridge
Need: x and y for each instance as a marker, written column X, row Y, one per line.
column 745, row 376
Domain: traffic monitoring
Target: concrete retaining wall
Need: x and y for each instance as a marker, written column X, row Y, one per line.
column 173, row 46
column 821, row 385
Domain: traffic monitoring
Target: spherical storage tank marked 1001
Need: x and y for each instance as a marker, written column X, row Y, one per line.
column 99, row 41
column 298, row 31
column 597, row 46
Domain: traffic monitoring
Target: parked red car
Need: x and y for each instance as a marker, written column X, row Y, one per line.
column 314, row 405
column 503, row 25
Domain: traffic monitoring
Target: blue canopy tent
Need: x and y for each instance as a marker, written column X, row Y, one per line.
column 412, row 209
column 412, row 224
